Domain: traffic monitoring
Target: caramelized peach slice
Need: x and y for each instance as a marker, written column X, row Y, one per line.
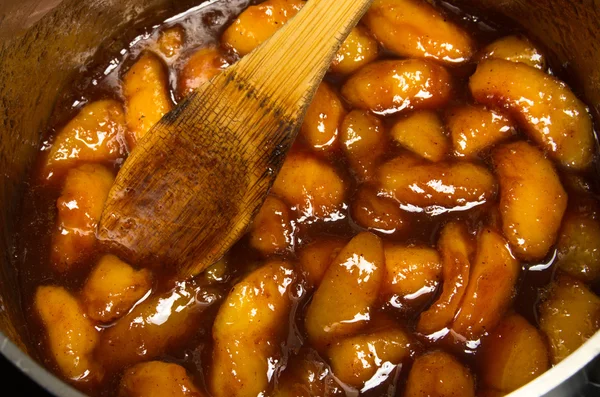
column 377, row 213
column 532, row 199
column 307, row 376
column 202, row 66
column 155, row 325
column 411, row 270
column 217, row 272
column 171, row 40
column 257, row 23
column 316, row 257
column 113, row 288
column 579, row 247
column 271, row 230
column 569, row 316
column 247, row 331
column 309, row 185
column 71, row 336
column 363, row 140
column 157, row 379
column 422, row 133
column 455, row 247
column 418, row 183
column 145, row 87
column 439, row 374
column 79, row 208
column 544, row 107
column 491, row 286
column 387, row 87
column 415, row 29
column 355, row 360
column 95, row 135
column 359, row 49
column 513, row 355
column 474, row 128
column 323, row 118
column 516, row 49
column 343, row 302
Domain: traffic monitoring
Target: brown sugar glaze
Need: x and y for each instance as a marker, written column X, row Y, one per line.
column 203, row 26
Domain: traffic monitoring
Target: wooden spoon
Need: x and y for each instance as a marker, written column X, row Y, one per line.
column 194, row 182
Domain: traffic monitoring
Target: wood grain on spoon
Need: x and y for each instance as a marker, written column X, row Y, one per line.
column 192, row 185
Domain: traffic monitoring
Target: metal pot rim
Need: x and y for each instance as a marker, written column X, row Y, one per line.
column 560, row 373
column 541, row 385
column 35, row 371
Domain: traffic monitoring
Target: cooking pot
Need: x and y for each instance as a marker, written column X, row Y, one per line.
column 44, row 43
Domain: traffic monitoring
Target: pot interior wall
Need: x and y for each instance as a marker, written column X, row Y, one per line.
column 37, row 62
column 569, row 29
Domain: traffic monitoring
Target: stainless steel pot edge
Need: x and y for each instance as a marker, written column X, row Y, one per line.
column 35, row 371
column 556, row 381
column 553, row 383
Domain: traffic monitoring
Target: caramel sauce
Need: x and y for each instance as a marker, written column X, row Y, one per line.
column 203, row 26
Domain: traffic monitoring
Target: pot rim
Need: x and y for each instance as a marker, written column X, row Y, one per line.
column 32, row 369
column 540, row 386
column 544, row 384
column 563, row 371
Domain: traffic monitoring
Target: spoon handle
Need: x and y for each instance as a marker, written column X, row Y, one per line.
column 193, row 183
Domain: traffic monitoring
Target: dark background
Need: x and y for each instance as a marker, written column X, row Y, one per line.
column 15, row 383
